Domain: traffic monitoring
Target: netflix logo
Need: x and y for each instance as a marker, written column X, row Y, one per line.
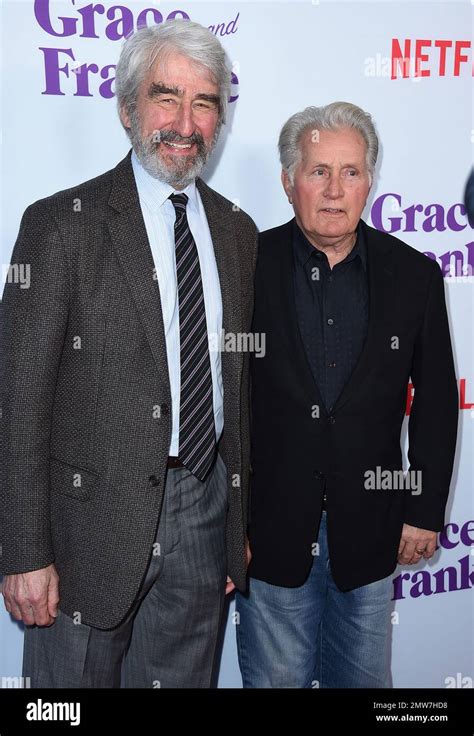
column 424, row 57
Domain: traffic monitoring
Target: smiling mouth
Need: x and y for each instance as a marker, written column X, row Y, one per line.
column 332, row 210
column 178, row 146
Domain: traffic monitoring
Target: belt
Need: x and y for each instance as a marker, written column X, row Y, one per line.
column 174, row 462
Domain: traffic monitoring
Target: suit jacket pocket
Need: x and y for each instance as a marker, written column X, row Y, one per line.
column 71, row 480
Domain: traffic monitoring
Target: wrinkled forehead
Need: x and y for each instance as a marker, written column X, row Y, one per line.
column 177, row 70
column 341, row 144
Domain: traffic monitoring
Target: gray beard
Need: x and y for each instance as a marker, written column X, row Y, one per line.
column 182, row 171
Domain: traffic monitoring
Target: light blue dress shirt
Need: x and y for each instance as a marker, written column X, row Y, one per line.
column 159, row 215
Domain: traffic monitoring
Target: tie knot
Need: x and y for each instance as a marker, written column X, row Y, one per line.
column 179, row 201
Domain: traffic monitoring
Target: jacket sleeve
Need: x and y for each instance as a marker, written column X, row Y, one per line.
column 433, row 419
column 33, row 323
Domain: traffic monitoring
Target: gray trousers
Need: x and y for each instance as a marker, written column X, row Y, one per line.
column 169, row 637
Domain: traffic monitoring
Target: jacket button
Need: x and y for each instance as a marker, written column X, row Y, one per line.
column 331, row 419
column 319, row 475
column 154, row 480
column 165, row 410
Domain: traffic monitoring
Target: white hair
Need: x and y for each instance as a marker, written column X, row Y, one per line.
column 335, row 116
column 185, row 37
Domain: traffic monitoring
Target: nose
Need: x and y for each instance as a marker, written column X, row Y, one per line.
column 334, row 188
column 184, row 122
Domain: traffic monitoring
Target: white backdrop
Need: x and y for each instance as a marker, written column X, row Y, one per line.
column 60, row 127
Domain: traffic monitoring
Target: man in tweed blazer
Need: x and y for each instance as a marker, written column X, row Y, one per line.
column 115, row 541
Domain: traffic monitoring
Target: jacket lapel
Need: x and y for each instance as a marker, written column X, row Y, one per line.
column 130, row 241
column 285, row 297
column 381, row 284
column 227, row 259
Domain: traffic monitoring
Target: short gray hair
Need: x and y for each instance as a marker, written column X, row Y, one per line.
column 181, row 36
column 335, row 116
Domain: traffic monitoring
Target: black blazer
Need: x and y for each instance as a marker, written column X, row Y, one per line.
column 297, row 457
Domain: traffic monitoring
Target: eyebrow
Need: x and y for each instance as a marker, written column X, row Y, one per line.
column 208, row 98
column 159, row 88
column 328, row 166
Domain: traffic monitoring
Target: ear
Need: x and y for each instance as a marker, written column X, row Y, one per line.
column 285, row 180
column 124, row 117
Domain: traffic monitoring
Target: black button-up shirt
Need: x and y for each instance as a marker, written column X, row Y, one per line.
column 332, row 307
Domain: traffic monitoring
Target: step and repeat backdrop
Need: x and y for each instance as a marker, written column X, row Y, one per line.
column 410, row 65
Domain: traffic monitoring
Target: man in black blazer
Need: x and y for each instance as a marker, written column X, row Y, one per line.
column 350, row 315
column 122, row 506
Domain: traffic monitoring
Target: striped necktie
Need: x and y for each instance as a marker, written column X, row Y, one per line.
column 197, row 436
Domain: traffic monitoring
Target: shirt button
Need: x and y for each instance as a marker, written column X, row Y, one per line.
column 330, row 321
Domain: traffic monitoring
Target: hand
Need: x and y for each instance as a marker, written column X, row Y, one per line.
column 248, row 556
column 229, row 586
column 414, row 544
column 32, row 597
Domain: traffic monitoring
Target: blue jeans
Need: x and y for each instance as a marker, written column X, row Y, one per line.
column 315, row 635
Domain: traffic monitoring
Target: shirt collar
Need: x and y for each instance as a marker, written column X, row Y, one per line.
column 154, row 193
column 304, row 250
